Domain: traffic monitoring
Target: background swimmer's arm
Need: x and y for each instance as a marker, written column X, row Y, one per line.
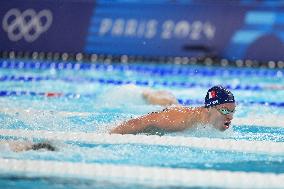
column 19, row 146
column 170, row 120
column 163, row 98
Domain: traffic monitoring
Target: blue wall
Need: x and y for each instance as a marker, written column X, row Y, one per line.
column 226, row 29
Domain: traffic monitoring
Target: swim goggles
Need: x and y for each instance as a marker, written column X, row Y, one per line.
column 225, row 111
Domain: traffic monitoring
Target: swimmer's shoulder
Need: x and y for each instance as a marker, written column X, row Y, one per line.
column 179, row 108
column 179, row 111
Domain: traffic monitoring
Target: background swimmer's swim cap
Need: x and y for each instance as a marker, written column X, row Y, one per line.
column 218, row 95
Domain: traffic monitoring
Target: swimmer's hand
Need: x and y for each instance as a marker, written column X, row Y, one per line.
column 162, row 98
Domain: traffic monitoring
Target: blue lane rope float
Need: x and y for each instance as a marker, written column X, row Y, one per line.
column 170, row 70
column 6, row 78
column 4, row 93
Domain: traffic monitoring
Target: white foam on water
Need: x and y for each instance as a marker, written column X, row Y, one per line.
column 122, row 95
column 193, row 142
column 265, row 121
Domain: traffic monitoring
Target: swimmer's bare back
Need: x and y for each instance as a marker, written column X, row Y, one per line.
column 170, row 119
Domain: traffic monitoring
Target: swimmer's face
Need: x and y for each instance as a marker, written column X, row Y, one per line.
column 222, row 115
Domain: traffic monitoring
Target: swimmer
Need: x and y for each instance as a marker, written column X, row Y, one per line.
column 19, row 146
column 217, row 112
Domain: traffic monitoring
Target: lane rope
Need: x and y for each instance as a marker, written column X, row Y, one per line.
column 170, row 70
column 152, row 176
column 119, row 82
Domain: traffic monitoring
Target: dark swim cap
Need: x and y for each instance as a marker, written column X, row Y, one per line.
column 218, row 95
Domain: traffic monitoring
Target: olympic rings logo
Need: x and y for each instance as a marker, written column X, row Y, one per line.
column 28, row 25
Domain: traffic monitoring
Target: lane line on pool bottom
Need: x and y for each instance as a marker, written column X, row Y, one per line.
column 193, row 142
column 153, row 176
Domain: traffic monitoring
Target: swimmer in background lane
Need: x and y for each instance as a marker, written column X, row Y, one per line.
column 218, row 112
column 19, row 146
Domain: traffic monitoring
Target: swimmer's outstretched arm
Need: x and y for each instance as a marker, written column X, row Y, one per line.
column 174, row 119
column 160, row 97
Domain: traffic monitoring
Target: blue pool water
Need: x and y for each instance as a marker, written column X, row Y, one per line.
column 96, row 97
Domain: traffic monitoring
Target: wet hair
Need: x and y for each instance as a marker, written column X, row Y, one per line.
column 43, row 145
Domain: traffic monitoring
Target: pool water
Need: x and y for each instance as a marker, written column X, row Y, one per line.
column 73, row 106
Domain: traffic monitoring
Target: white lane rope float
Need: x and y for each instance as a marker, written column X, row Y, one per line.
column 153, row 176
column 267, row 147
column 267, row 121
